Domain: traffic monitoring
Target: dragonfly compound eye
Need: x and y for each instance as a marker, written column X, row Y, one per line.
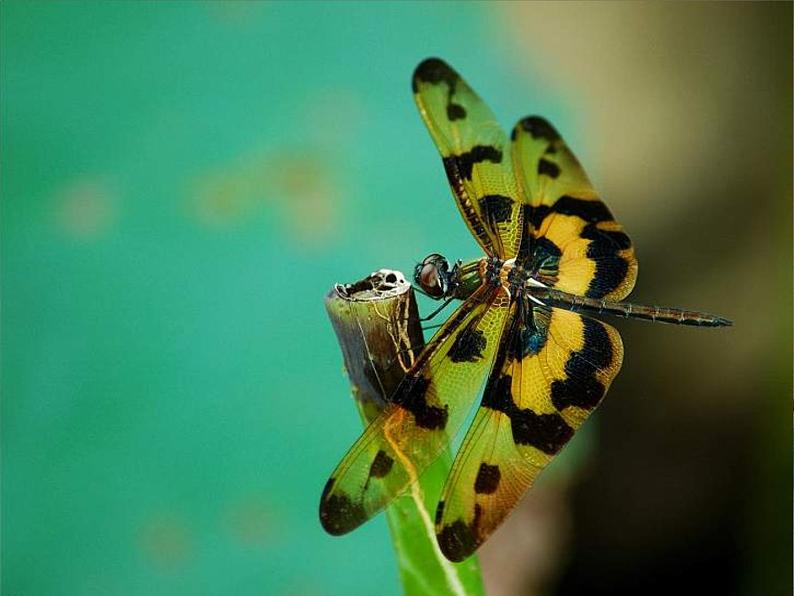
column 432, row 276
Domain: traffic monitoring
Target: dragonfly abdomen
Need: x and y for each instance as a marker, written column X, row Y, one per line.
column 660, row 314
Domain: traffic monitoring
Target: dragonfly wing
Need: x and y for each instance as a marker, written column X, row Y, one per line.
column 552, row 370
column 428, row 408
column 570, row 234
column 476, row 154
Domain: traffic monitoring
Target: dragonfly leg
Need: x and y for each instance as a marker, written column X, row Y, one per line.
column 438, row 310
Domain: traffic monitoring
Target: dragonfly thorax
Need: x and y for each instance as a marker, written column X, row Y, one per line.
column 515, row 277
column 434, row 276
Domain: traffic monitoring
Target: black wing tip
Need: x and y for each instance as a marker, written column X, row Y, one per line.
column 538, row 127
column 431, row 63
column 330, row 526
column 723, row 322
column 432, row 70
column 456, row 541
column 338, row 513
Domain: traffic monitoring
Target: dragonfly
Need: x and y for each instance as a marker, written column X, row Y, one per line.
column 524, row 336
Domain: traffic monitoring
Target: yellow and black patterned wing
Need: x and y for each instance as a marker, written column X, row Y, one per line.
column 570, row 233
column 552, row 370
column 428, row 408
column 476, row 156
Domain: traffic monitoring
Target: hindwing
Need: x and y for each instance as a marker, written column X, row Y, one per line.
column 569, row 233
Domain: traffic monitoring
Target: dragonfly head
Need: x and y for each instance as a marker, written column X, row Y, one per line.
column 434, row 277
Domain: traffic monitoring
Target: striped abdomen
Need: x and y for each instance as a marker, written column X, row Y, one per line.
column 661, row 314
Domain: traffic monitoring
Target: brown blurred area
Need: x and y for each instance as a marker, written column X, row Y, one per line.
column 689, row 139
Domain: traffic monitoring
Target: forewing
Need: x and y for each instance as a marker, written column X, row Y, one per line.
column 476, row 156
column 428, row 408
column 551, row 372
column 570, row 233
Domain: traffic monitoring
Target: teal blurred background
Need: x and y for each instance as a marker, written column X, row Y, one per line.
column 181, row 184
